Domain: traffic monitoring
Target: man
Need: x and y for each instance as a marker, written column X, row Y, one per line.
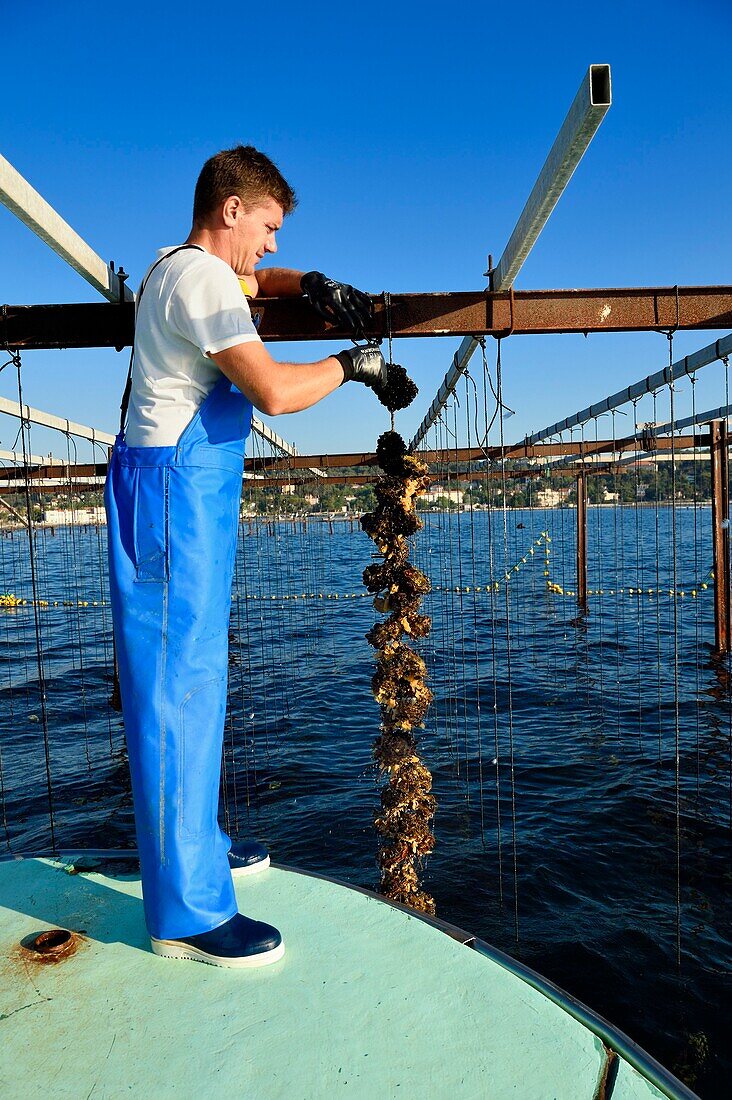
column 172, row 499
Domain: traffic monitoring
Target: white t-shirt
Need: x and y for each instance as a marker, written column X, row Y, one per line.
column 192, row 307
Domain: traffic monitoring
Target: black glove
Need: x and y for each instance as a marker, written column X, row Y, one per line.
column 339, row 303
column 363, row 364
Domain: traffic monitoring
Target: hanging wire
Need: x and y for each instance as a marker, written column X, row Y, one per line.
column 509, row 684
column 601, row 615
column 497, row 761
column 722, row 662
column 618, row 578
column 638, row 575
column 42, row 692
column 658, row 590
column 387, row 317
column 457, row 497
column 76, row 613
column 697, row 639
column 474, row 580
column 675, row 619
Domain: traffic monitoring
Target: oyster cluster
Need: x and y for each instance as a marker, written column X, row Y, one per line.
column 399, row 390
column 399, row 683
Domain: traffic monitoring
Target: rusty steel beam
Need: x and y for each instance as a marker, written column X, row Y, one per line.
column 55, row 470
column 581, row 448
column 454, row 476
column 523, row 312
column 526, row 311
column 82, row 325
column 49, row 482
column 12, row 479
column 8, row 489
column 62, row 471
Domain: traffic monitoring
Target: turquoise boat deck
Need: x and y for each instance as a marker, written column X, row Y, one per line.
column 369, row 1001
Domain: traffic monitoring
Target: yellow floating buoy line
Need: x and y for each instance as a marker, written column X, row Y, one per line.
column 491, row 586
column 9, row 600
column 693, row 591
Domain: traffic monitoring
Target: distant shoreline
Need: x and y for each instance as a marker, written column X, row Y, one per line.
column 353, row 517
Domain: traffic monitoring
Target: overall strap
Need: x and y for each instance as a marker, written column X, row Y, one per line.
column 128, row 383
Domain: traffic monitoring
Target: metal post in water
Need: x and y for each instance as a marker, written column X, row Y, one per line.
column 582, row 540
column 720, row 533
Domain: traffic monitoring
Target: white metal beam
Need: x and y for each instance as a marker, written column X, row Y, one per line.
column 14, row 512
column 460, row 361
column 48, row 420
column 588, row 109
column 277, row 441
column 722, row 413
column 68, row 427
column 37, row 460
column 271, row 437
column 33, row 210
column 688, row 365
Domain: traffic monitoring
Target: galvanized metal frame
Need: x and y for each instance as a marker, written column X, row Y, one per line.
column 686, row 366
column 60, row 423
column 589, row 107
column 94, row 435
column 33, row 210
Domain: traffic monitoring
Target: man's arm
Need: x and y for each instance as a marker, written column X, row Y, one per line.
column 276, row 282
column 339, row 303
column 275, row 388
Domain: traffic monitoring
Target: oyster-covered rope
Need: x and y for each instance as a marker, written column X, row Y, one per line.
column 400, row 681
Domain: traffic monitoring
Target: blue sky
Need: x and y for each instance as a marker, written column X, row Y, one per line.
column 412, row 135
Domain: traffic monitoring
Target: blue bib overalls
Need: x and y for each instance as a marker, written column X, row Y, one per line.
column 172, row 516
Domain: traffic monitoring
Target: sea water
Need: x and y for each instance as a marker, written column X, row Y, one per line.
column 581, row 761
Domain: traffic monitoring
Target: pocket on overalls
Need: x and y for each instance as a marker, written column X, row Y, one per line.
column 151, row 524
column 201, row 726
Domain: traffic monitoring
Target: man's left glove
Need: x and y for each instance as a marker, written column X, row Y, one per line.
column 338, row 303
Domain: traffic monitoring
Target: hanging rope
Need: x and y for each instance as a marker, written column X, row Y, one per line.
column 509, row 681
column 675, row 639
column 42, row 693
column 497, row 761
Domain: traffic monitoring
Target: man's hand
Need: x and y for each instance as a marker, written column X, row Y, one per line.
column 338, row 303
column 363, row 364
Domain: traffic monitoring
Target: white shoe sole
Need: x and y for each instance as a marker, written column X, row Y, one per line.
column 251, row 869
column 174, row 949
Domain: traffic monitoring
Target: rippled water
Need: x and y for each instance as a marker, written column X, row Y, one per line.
column 583, row 827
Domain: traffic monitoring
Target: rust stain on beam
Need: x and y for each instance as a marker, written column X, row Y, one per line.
column 62, row 472
column 12, row 479
column 57, row 471
column 77, row 325
column 459, row 313
column 454, row 476
column 521, row 312
column 9, row 490
column 584, row 449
